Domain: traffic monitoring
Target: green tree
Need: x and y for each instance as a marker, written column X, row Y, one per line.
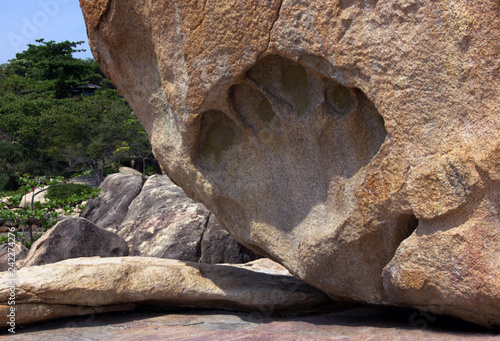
column 14, row 158
column 53, row 64
column 93, row 131
column 47, row 128
column 29, row 85
column 20, row 131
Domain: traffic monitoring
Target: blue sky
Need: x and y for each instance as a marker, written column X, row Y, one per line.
column 22, row 22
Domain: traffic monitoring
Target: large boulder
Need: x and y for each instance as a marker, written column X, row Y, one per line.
column 28, row 198
column 110, row 208
column 92, row 285
column 163, row 222
column 73, row 238
column 355, row 142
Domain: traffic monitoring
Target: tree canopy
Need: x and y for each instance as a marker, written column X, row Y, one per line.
column 48, row 127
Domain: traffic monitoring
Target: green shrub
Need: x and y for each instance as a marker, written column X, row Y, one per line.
column 150, row 170
column 4, row 178
column 66, row 190
column 110, row 170
column 62, row 197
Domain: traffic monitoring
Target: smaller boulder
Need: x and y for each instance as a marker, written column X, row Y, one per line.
column 73, row 238
column 110, row 208
column 18, row 254
column 94, row 285
column 39, row 196
column 129, row 171
column 163, row 222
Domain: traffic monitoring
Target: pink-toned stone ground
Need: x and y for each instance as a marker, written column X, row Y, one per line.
column 361, row 323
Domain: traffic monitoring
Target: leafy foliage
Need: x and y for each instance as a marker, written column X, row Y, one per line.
column 53, row 64
column 93, row 131
column 65, row 191
column 46, row 128
column 41, row 214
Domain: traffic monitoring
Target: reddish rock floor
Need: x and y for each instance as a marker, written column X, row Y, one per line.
column 360, row 323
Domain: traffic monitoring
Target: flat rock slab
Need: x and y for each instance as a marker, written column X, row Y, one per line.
column 92, row 285
column 362, row 323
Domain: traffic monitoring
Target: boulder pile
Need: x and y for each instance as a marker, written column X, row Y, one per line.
column 158, row 220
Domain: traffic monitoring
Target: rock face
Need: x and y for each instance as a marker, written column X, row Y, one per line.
column 91, row 285
column 110, row 208
column 73, row 238
column 161, row 221
column 218, row 246
column 19, row 254
column 355, row 142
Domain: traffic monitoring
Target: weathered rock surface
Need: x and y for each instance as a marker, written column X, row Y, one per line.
column 73, row 238
column 325, row 133
column 80, row 286
column 163, row 222
column 110, row 208
column 218, row 246
column 12, row 256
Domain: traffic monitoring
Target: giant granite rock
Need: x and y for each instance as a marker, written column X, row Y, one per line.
column 355, row 142
column 92, row 285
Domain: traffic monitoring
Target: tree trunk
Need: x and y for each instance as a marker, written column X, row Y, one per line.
column 95, row 168
column 31, row 234
column 32, row 204
column 102, row 171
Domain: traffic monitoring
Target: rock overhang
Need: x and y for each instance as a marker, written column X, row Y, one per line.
column 323, row 134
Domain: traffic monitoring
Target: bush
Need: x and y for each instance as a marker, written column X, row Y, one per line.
column 62, row 198
column 111, row 170
column 67, row 190
column 4, row 178
column 150, row 170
